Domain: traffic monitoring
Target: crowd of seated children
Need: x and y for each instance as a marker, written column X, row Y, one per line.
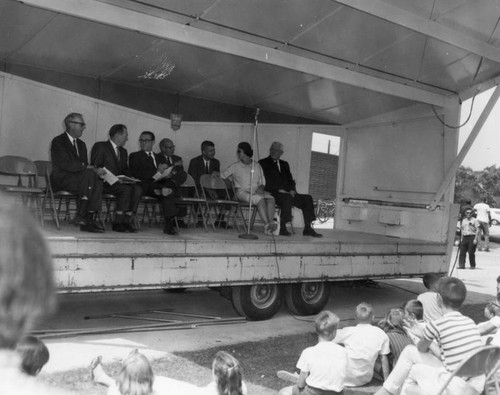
column 364, row 344
column 429, row 299
column 322, row 367
column 136, row 377
column 418, row 370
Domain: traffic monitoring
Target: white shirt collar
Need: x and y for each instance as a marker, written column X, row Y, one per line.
column 71, row 138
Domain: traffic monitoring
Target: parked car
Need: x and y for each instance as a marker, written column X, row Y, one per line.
column 495, row 216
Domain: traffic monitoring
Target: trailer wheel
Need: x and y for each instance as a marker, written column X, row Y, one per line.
column 257, row 302
column 307, row 298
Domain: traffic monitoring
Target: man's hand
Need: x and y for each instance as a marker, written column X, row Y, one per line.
column 215, row 174
column 99, row 171
column 293, row 193
column 162, row 167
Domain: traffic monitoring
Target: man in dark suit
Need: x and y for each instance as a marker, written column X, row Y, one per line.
column 111, row 155
column 71, row 172
column 149, row 167
column 204, row 163
column 280, row 183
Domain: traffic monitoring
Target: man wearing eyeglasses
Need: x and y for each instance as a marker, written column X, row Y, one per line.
column 71, row 172
column 469, row 228
column 149, row 168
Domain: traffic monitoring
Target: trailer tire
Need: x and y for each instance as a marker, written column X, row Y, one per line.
column 257, row 302
column 307, row 298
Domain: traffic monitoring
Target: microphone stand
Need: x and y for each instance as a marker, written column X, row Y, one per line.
column 248, row 235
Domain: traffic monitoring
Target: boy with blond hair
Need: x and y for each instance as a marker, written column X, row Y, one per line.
column 323, row 366
column 364, row 343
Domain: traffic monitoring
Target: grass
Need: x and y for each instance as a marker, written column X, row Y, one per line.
column 260, row 362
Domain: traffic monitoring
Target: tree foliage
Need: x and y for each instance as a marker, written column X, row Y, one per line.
column 475, row 185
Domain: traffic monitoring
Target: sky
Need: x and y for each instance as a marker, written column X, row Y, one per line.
column 485, row 150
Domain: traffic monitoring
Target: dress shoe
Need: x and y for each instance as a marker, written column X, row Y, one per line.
column 311, row 232
column 166, row 191
column 284, row 232
column 98, row 225
column 130, row 227
column 90, row 228
column 170, row 230
column 119, row 227
column 79, row 220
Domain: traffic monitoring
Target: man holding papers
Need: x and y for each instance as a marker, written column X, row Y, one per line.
column 156, row 178
column 111, row 156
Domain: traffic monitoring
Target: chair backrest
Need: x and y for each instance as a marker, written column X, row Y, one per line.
column 43, row 170
column 207, row 182
column 188, row 187
column 482, row 361
column 19, row 167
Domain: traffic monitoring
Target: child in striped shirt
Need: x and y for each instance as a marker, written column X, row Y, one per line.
column 456, row 335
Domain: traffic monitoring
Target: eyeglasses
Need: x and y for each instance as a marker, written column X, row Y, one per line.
column 468, row 212
column 144, row 140
column 170, row 146
column 239, row 151
column 78, row 123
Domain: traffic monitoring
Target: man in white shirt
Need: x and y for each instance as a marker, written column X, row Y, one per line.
column 483, row 216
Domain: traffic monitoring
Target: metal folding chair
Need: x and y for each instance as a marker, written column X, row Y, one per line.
column 44, row 168
column 23, row 174
column 190, row 198
column 212, row 189
column 485, row 360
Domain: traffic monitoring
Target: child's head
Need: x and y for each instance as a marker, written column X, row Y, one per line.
column 34, row 354
column 430, row 281
column 364, row 313
column 393, row 320
column 452, row 292
column 136, row 376
column 227, row 374
column 326, row 324
column 498, row 287
column 414, row 310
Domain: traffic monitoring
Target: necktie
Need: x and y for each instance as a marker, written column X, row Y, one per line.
column 278, row 165
column 169, row 162
column 76, row 147
column 118, row 153
column 207, row 167
column 152, row 158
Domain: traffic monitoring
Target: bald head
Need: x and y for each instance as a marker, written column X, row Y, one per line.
column 167, row 147
column 276, row 150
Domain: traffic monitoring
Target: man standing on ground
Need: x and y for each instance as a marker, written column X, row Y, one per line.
column 111, row 155
column 280, row 183
column 484, row 218
column 148, row 167
column 469, row 229
column 71, row 172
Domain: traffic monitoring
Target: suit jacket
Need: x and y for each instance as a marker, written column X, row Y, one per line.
column 275, row 179
column 197, row 168
column 65, row 160
column 103, row 155
column 142, row 167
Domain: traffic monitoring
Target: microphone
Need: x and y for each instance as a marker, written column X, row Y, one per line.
column 257, row 111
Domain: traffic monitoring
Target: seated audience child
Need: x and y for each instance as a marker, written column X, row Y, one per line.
column 414, row 323
column 392, row 325
column 34, row 354
column 136, row 377
column 432, row 311
column 227, row 374
column 418, row 371
column 491, row 307
column 364, row 343
column 322, row 367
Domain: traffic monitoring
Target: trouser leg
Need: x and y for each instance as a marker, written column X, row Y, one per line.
column 284, row 201
column 472, row 252
column 306, row 204
column 91, row 187
column 463, row 252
